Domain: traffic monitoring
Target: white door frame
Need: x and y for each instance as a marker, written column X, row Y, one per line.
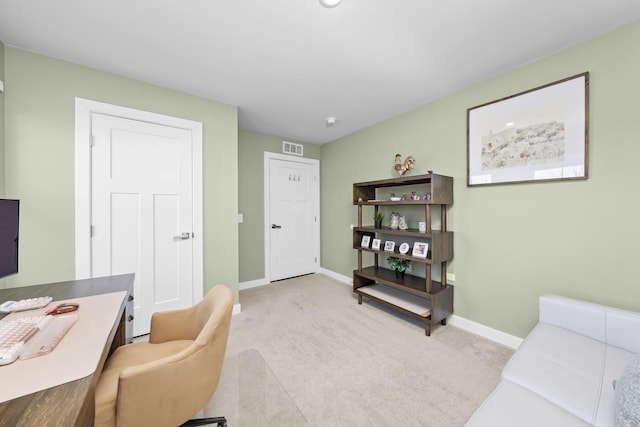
column 267, row 198
column 84, row 108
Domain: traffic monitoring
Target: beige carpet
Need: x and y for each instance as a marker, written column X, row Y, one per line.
column 327, row 361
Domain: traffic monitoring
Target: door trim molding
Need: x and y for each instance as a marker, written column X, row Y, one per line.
column 84, row 108
column 267, row 197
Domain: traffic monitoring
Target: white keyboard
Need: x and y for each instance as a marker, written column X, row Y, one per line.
column 29, row 337
column 25, row 304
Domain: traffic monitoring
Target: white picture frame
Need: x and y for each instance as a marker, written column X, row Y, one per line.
column 375, row 244
column 365, row 241
column 389, row 246
column 404, row 248
column 420, row 249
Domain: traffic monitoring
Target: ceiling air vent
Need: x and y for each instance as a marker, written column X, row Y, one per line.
column 291, row 148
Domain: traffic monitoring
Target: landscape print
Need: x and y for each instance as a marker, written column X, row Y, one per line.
column 534, row 144
column 536, row 135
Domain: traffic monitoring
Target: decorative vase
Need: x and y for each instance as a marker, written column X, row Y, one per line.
column 399, row 274
column 402, row 223
column 377, row 224
column 395, row 220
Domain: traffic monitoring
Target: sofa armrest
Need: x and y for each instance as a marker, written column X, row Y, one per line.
column 610, row 325
column 578, row 316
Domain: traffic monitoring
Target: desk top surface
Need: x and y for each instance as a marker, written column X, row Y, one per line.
column 66, row 404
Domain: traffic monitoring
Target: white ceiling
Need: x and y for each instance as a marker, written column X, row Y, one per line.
column 289, row 64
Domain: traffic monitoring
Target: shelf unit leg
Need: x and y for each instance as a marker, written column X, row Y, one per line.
column 443, row 217
column 427, row 329
column 359, row 299
column 443, row 274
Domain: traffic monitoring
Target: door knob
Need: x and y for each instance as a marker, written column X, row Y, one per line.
column 275, row 226
column 183, row 236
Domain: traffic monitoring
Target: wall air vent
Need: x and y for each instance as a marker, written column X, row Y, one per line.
column 291, row 148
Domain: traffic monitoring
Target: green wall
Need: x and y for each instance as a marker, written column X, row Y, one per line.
column 251, row 149
column 39, row 120
column 515, row 242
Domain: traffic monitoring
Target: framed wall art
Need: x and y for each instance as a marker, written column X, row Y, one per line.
column 537, row 135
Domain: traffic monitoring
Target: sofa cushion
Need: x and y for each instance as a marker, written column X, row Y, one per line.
column 616, row 360
column 512, row 405
column 628, row 395
column 561, row 366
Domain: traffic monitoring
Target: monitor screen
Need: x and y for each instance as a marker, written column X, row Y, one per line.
column 9, row 217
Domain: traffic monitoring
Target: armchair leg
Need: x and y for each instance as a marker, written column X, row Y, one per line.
column 219, row 421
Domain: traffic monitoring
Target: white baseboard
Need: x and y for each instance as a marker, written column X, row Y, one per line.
column 485, row 331
column 457, row 321
column 253, row 284
column 339, row 277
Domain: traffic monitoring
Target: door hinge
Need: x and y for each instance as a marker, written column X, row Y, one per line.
column 92, row 141
column 91, row 231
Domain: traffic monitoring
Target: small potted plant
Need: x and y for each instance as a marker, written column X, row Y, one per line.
column 377, row 219
column 398, row 265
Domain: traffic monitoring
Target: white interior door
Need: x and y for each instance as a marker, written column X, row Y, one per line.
column 142, row 211
column 292, row 216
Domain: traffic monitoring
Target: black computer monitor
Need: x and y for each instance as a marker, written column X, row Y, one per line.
column 9, row 227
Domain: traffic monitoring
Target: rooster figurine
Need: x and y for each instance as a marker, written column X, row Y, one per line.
column 401, row 167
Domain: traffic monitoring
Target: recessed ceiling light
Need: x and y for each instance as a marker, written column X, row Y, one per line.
column 330, row 3
column 330, row 121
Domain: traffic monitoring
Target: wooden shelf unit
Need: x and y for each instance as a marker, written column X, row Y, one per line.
column 419, row 297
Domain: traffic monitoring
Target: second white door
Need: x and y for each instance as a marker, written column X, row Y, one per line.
column 293, row 223
column 142, row 211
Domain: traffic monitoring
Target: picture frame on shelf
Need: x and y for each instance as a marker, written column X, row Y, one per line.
column 537, row 135
column 389, row 246
column 420, row 249
column 404, row 248
column 375, row 244
column 365, row 241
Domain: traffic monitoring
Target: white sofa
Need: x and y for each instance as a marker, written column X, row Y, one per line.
column 563, row 372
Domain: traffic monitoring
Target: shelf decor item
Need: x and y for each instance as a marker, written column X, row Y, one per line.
column 398, row 265
column 375, row 244
column 377, row 219
column 420, row 249
column 404, row 248
column 402, row 223
column 365, row 241
column 389, row 246
column 395, row 220
column 403, row 166
column 537, row 135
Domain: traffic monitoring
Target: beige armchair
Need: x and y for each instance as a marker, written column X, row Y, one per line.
column 169, row 379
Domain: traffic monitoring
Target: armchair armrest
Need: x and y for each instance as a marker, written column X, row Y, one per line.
column 173, row 325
